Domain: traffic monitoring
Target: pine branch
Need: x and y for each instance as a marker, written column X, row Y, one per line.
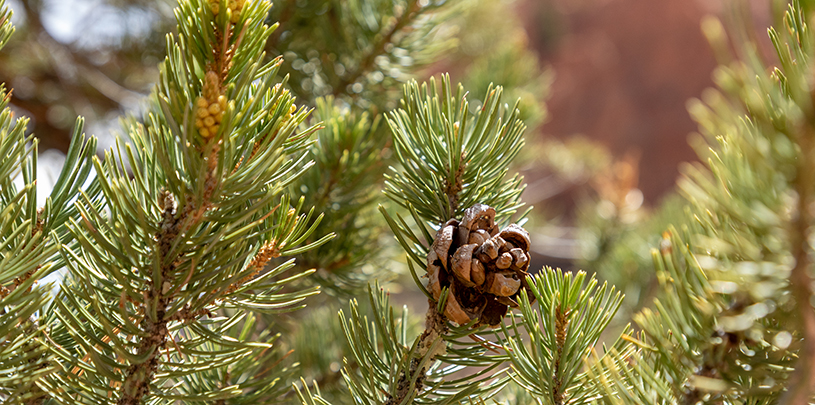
column 394, row 370
column 625, row 376
column 154, row 340
column 802, row 381
column 445, row 148
column 409, row 14
column 572, row 315
column 435, row 322
column 30, row 238
column 172, row 224
column 437, row 131
column 185, row 234
column 359, row 52
column 739, row 205
column 344, row 184
column 411, row 382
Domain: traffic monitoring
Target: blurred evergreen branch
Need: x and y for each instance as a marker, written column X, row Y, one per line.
column 731, row 321
column 30, row 238
column 359, row 51
column 348, row 163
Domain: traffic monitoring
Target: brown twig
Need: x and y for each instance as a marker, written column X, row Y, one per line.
column 453, row 188
column 435, row 328
column 139, row 375
column 802, row 380
column 267, row 252
column 562, row 318
column 411, row 11
column 156, row 333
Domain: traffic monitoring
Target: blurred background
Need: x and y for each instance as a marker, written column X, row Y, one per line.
column 622, row 70
column 603, row 86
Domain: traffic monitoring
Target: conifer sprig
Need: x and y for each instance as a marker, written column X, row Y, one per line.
column 436, row 139
column 30, row 238
column 396, row 368
column 349, row 158
column 690, row 337
column 571, row 316
column 172, row 257
column 452, row 158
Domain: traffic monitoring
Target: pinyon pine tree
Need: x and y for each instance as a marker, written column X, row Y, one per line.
column 186, row 243
column 167, row 247
column 732, row 323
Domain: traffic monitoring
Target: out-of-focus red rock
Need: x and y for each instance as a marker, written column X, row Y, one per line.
column 624, row 70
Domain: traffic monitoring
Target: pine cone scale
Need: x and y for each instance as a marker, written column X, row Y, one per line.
column 483, row 268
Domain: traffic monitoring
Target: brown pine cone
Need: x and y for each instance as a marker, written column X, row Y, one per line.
column 483, row 268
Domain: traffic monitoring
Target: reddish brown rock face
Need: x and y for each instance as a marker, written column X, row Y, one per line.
column 483, row 267
column 624, row 70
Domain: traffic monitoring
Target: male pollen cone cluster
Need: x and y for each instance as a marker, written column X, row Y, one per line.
column 483, row 268
column 235, row 8
column 210, row 107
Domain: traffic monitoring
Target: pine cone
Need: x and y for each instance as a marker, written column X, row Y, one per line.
column 484, row 269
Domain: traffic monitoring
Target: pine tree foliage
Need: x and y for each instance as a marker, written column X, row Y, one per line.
column 731, row 324
column 355, row 58
column 200, row 230
column 349, row 157
column 348, row 164
column 404, row 43
column 358, row 50
column 392, row 364
column 449, row 159
column 30, row 238
column 347, row 60
column 682, row 341
column 168, row 265
column 569, row 321
column 168, row 246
